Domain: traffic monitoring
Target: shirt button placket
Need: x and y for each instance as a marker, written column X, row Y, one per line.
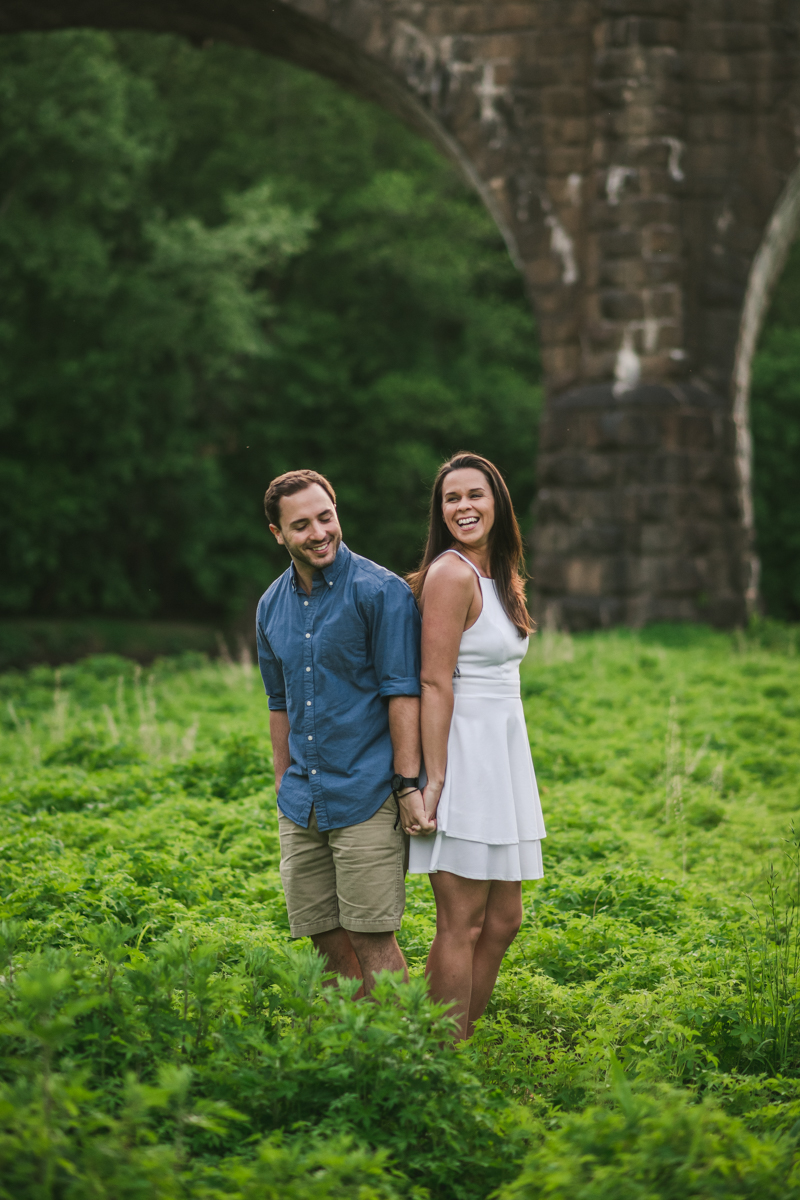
column 308, row 663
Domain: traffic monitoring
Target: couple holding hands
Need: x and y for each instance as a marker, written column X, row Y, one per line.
column 368, row 677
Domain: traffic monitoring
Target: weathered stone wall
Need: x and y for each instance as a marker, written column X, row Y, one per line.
column 632, row 152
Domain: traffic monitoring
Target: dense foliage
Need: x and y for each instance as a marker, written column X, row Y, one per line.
column 160, row 1037
column 775, row 421
column 213, row 268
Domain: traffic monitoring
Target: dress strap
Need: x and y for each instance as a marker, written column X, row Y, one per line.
column 465, row 559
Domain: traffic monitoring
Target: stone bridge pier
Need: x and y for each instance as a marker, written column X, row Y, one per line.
column 640, row 158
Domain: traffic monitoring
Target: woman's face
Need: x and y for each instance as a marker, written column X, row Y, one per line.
column 468, row 507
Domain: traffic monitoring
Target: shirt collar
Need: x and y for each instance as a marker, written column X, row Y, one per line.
column 329, row 574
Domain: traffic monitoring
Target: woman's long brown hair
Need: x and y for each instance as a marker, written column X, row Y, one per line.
column 506, row 554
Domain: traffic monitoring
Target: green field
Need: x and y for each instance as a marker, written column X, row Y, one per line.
column 160, row 1037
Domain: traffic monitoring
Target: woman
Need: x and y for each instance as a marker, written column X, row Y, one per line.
column 481, row 786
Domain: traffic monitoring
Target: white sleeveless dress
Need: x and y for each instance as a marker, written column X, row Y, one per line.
column 489, row 820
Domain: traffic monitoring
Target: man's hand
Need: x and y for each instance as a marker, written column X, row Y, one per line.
column 279, row 734
column 413, row 817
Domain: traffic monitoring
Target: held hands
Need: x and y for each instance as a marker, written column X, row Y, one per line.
column 430, row 797
column 413, row 815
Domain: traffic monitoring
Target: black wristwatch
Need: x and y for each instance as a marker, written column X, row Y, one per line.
column 398, row 783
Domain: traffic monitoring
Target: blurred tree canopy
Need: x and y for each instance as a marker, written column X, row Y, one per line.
column 775, row 425
column 214, row 268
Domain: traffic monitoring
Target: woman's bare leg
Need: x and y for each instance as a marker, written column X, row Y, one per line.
column 501, row 922
column 460, row 909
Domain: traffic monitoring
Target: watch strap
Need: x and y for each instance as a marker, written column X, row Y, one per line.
column 404, row 781
column 398, row 783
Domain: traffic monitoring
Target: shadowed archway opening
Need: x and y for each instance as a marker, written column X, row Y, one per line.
column 775, row 431
column 766, row 408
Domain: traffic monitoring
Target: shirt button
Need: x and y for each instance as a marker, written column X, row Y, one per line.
column 308, row 668
column 308, row 704
column 310, row 738
column 305, row 602
column 313, row 772
column 308, row 635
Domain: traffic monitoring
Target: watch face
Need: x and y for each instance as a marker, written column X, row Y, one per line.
column 399, row 781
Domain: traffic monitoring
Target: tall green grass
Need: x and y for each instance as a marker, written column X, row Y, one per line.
column 161, row 1036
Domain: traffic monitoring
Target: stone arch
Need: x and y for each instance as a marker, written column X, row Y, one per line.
column 764, row 274
column 358, row 44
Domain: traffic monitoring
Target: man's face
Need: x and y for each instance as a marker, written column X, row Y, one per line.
column 309, row 527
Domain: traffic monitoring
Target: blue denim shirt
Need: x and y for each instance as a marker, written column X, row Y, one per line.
column 331, row 660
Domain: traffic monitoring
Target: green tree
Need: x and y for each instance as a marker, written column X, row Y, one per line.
column 217, row 267
column 125, row 334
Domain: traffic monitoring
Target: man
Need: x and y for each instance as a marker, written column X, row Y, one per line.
column 338, row 648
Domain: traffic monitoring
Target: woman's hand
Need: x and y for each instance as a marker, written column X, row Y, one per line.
column 413, row 815
column 430, row 798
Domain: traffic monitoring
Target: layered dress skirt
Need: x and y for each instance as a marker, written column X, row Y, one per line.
column 489, row 819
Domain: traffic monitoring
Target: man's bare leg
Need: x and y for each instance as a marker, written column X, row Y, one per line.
column 377, row 952
column 335, row 946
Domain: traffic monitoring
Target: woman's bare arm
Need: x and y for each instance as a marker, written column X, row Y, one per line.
column 448, row 601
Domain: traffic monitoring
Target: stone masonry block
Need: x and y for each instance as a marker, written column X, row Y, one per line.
column 664, row 270
column 654, row 504
column 621, row 306
column 482, row 18
column 565, row 131
column 567, row 160
column 708, row 97
column 586, row 576
column 733, row 37
column 696, row 431
column 713, row 68
column 664, row 301
column 702, row 127
column 643, row 31
column 661, row 241
column 620, row 243
column 675, row 9
column 539, row 72
column 630, row 430
column 543, row 273
column 550, row 572
column 659, row 540
column 623, row 274
column 561, row 364
column 563, row 101
column 584, row 470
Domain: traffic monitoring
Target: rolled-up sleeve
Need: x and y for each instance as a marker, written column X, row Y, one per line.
column 271, row 670
column 394, row 630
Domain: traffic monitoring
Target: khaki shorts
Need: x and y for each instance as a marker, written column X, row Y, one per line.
column 353, row 878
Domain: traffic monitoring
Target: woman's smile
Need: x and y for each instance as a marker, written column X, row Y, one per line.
column 468, row 507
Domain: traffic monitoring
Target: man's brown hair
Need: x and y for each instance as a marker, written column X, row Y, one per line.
column 287, row 485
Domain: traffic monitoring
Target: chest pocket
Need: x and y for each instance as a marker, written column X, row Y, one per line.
column 342, row 643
